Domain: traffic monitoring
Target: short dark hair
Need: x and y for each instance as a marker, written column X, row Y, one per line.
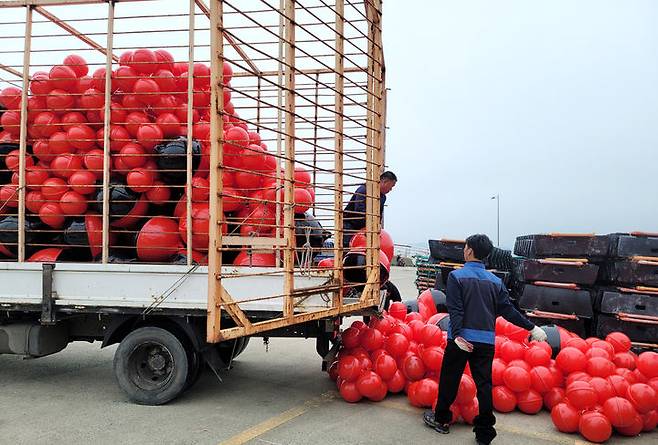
column 481, row 245
column 388, row 175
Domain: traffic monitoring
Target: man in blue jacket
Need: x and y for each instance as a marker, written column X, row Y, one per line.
column 354, row 216
column 475, row 297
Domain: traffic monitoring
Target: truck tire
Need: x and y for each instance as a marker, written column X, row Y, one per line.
column 229, row 350
column 151, row 366
column 243, row 346
column 193, row 369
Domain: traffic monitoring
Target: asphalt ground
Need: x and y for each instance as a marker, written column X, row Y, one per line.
column 273, row 395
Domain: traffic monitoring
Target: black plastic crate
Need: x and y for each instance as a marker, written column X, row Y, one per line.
column 637, row 332
column 580, row 327
column 558, row 300
column 445, row 269
column 624, row 245
column 634, row 273
column 449, row 250
column 556, row 271
column 562, row 246
column 616, row 301
column 500, row 259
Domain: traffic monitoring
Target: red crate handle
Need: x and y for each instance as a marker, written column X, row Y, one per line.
column 553, row 315
column 573, row 286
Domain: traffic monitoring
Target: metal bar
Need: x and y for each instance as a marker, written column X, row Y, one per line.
column 279, row 126
column 253, row 241
column 258, row 104
column 308, row 72
column 338, row 155
column 230, row 333
column 190, row 127
column 106, row 134
column 74, row 32
column 315, row 132
column 47, row 300
column 215, row 288
column 288, row 211
column 15, row 3
column 27, row 44
column 371, row 259
column 11, row 70
column 378, row 98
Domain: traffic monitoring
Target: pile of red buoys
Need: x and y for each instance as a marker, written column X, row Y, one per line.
column 149, row 155
column 590, row 386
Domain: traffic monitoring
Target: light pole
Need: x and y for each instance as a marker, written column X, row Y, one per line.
column 497, row 198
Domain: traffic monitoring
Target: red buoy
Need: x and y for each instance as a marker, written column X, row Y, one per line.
column 570, row 360
column 144, row 61
column 620, row 411
column 125, row 78
column 81, row 137
column 63, row 77
column 149, row 135
column 147, row 91
column 60, row 100
column 595, row 426
column 158, row 240
column 140, row 180
column 77, row 63
column 46, row 123
column 73, row 204
column 52, row 189
column 581, row 395
column 51, row 214
column 530, row 401
column 565, row 418
column 65, row 165
column 504, row 400
column 302, row 200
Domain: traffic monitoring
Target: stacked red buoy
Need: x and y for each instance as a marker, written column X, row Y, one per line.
column 148, row 116
column 582, row 387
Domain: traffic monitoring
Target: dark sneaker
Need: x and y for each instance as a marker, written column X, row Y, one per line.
column 428, row 418
column 479, row 442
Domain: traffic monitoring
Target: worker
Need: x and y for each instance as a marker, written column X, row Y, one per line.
column 475, row 297
column 354, row 216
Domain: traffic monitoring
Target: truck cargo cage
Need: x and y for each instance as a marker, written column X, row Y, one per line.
column 304, row 80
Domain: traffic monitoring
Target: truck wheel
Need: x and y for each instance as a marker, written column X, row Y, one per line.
column 231, row 348
column 193, row 369
column 151, row 366
column 243, row 346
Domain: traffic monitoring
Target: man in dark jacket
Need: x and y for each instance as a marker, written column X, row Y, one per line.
column 475, row 297
column 354, row 216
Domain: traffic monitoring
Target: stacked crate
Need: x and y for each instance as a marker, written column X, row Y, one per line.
column 627, row 299
column 447, row 255
column 426, row 272
column 555, row 275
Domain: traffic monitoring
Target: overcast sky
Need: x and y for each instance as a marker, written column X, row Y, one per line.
column 552, row 104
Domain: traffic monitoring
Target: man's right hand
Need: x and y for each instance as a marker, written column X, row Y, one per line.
column 538, row 334
column 463, row 344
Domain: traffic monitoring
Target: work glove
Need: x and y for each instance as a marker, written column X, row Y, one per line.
column 538, row 334
column 463, row 344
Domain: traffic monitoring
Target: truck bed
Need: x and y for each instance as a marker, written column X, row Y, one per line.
column 83, row 286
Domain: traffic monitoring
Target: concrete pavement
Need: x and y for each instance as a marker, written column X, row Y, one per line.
column 278, row 396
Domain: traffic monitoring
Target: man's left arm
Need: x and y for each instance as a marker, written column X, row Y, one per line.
column 455, row 304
